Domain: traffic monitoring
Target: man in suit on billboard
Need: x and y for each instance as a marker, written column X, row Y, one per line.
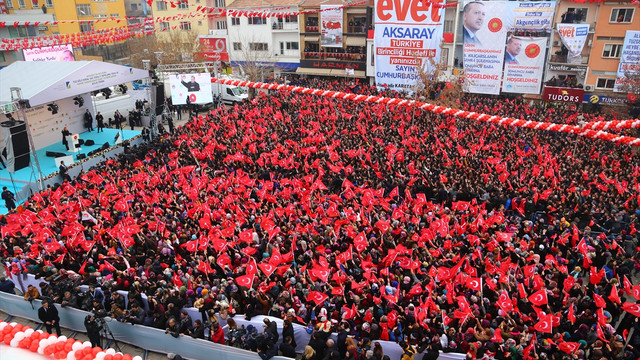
column 472, row 20
column 191, row 86
column 514, row 45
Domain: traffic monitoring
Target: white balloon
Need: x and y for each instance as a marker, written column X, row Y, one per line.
column 62, row 338
column 76, row 346
column 43, row 342
column 19, row 336
column 13, row 323
column 41, row 350
column 100, row 356
column 40, row 331
column 137, row 358
column 86, row 344
column 71, row 355
column 110, row 351
column 2, row 325
column 52, row 337
column 28, row 332
column 14, row 343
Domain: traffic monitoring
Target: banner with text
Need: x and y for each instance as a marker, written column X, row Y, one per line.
column 573, row 36
column 191, row 88
column 629, row 67
column 50, row 53
column 407, row 37
column 214, row 49
column 524, row 65
column 331, row 26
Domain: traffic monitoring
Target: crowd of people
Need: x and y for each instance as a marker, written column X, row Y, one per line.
column 375, row 222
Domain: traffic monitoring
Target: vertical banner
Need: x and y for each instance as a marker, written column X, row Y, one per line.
column 629, row 63
column 524, row 63
column 407, row 37
column 573, row 37
column 331, row 26
column 484, row 35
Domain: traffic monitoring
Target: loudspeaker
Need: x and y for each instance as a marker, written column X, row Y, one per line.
column 89, row 142
column 54, row 154
column 105, row 146
column 80, row 141
column 159, row 99
column 20, row 143
column 80, row 156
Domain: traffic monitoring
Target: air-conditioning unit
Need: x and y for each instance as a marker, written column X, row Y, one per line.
column 556, row 43
column 590, row 42
column 589, row 88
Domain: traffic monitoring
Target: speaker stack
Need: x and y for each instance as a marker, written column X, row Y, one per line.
column 17, row 143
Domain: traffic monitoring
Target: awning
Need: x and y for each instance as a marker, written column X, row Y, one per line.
column 356, row 10
column 355, row 41
column 356, row 73
column 312, row 38
column 314, row 71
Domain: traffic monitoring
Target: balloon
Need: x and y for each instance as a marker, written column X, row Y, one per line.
column 137, row 358
column 108, row 357
column 76, row 346
column 19, row 336
column 71, row 355
column 13, row 343
column 29, row 332
column 2, row 325
column 52, row 337
column 110, row 351
column 7, row 339
column 62, row 338
column 100, row 355
column 86, row 344
column 41, row 350
column 127, row 357
column 118, row 356
column 13, row 323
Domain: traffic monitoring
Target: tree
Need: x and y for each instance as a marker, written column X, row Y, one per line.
column 255, row 57
column 436, row 85
column 177, row 46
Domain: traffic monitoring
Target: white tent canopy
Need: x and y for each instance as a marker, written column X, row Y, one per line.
column 42, row 82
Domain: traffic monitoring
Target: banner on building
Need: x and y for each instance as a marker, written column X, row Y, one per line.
column 407, row 37
column 603, row 99
column 331, row 26
column 629, row 67
column 573, row 37
column 558, row 94
column 524, row 64
column 190, row 88
column 214, row 49
column 50, row 53
column 3, row 7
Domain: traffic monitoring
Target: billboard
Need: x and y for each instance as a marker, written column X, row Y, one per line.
column 603, row 99
column 485, row 26
column 408, row 34
column 524, row 63
column 558, row 94
column 196, row 88
column 214, row 49
column 629, row 62
column 573, row 37
column 331, row 26
column 50, row 53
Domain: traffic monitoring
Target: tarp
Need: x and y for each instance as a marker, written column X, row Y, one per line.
column 42, row 82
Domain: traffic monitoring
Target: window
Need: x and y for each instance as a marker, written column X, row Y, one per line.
column 100, row 16
column 235, row 21
column 448, row 26
column 611, row 50
column 161, row 5
column 49, row 3
column 9, row 4
column 2, row 56
column 237, row 46
column 229, row 92
column 21, row 4
column 115, row 15
column 291, row 19
column 21, row 31
column 292, row 45
column 610, row 38
column 183, row 5
column 134, row 7
column 185, row 25
column 164, row 26
column 258, row 46
column 605, row 83
column 83, row 10
column 85, row 26
column 257, row 20
column 581, row 14
column 221, row 25
column 621, row 15
column 219, row 3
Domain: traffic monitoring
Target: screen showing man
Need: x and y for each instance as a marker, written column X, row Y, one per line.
column 67, row 55
column 191, row 86
column 472, row 19
column 514, row 45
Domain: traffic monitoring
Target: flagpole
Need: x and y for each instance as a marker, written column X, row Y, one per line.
column 482, row 295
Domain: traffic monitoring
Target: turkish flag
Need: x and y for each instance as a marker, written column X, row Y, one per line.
column 627, row 285
column 545, row 324
column 631, row 308
column 416, row 289
column 337, row 291
column 599, row 301
column 446, row 320
column 569, row 347
column 267, row 269
column 636, row 292
column 539, row 298
column 613, row 296
column 594, row 277
column 571, row 314
column 245, row 280
column 360, row 242
column 474, row 283
column 349, row 312
column 317, row 297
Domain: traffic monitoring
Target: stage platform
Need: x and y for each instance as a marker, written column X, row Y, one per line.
column 28, row 176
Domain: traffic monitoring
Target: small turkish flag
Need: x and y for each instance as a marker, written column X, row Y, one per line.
column 631, row 308
column 569, row 347
column 245, row 280
column 474, row 284
column 545, row 324
column 317, row 297
column 539, row 297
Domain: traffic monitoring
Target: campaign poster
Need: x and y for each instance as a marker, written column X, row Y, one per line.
column 196, row 88
column 573, row 37
column 523, row 64
column 529, row 15
column 484, row 35
column 331, row 26
column 629, row 62
column 407, row 37
column 50, row 53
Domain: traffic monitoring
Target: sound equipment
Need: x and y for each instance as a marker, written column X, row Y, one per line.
column 54, row 154
column 80, row 141
column 17, row 144
column 89, row 142
column 81, row 156
column 105, row 146
column 159, row 99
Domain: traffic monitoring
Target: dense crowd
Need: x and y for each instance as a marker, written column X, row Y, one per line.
column 379, row 223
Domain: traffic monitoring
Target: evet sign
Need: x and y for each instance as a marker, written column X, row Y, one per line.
column 417, row 10
column 556, row 94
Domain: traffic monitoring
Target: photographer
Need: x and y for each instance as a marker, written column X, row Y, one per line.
column 69, row 300
column 117, row 305
column 48, row 314
column 135, row 315
column 96, row 294
column 185, row 322
column 197, row 332
column 97, row 309
column 93, row 330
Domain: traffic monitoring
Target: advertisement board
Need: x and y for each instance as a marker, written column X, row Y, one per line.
column 407, row 37
column 50, row 53
column 331, row 26
column 196, row 88
column 214, row 49
column 3, row 7
column 573, row 37
column 524, row 64
column 629, row 62
column 603, row 99
column 557, row 94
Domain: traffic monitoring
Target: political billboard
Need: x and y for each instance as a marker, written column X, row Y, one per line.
column 196, row 88
column 407, row 37
column 629, row 63
column 573, row 37
column 524, row 64
column 50, row 53
column 331, row 26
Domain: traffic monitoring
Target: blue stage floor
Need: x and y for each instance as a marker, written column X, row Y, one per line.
column 48, row 165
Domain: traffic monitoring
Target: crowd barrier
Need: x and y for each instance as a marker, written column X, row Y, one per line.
column 301, row 335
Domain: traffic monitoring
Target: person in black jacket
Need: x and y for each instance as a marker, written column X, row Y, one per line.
column 287, row 349
column 287, row 330
column 271, row 330
column 172, row 328
column 93, row 330
column 70, row 300
column 48, row 314
column 197, row 332
column 135, row 315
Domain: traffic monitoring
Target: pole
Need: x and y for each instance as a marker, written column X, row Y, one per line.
column 32, row 144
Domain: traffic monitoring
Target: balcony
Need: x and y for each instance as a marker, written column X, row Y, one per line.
column 358, row 29
column 333, row 56
column 286, row 26
column 312, row 29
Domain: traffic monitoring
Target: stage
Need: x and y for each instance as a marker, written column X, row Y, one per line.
column 23, row 178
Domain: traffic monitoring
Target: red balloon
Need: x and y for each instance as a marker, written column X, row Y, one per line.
column 118, row 357
column 127, row 357
column 108, row 357
column 7, row 339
